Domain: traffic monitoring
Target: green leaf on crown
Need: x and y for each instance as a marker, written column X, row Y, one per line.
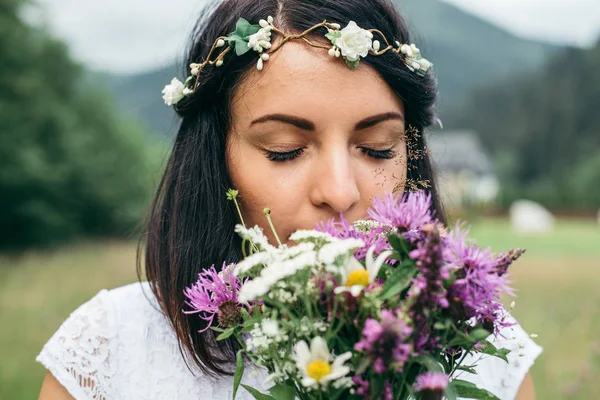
column 239, row 38
column 352, row 64
column 333, row 36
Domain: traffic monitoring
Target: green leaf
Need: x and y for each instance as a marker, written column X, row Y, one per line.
column 226, row 334
column 239, row 44
column 469, row 390
column 239, row 38
column 352, row 64
column 502, row 354
column 333, row 36
column 490, row 349
column 243, row 28
column 469, row 369
column 451, row 392
column 479, row 334
column 217, row 329
column 284, row 390
column 468, row 341
column 239, row 371
column 258, row 395
column 442, row 325
column 399, row 280
column 429, row 362
column 399, row 244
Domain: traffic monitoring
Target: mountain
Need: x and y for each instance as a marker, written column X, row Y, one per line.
column 543, row 129
column 467, row 52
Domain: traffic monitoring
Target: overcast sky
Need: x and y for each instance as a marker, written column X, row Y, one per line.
column 134, row 35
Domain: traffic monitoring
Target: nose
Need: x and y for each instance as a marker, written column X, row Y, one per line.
column 334, row 183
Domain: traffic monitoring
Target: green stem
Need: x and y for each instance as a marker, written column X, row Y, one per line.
column 268, row 215
column 237, row 206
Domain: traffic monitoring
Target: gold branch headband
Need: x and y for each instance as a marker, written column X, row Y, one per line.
column 350, row 43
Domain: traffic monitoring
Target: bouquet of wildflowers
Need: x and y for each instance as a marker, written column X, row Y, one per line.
column 385, row 308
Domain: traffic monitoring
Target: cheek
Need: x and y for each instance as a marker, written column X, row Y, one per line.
column 263, row 183
column 386, row 176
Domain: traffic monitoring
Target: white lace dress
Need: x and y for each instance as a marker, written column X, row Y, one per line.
column 119, row 345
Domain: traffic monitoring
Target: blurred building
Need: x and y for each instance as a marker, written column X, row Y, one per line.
column 465, row 172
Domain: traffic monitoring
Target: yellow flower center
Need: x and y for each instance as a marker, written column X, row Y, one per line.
column 358, row 277
column 318, row 370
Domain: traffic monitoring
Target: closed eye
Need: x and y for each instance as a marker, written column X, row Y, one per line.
column 379, row 154
column 278, row 156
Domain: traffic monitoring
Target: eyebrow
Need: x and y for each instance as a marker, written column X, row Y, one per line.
column 308, row 125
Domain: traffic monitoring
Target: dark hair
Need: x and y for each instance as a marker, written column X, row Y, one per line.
column 191, row 222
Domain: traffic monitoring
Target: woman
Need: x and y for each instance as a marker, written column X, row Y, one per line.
column 308, row 137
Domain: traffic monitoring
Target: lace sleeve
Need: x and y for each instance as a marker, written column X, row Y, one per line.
column 499, row 377
column 79, row 353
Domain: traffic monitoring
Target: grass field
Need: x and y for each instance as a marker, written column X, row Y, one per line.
column 558, row 283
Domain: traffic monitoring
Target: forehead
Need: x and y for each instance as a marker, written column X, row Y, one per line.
column 303, row 80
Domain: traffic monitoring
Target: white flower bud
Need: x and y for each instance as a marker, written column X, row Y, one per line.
column 414, row 48
column 259, row 65
column 195, row 71
column 268, row 29
column 336, row 26
column 187, row 91
column 332, row 52
column 337, row 53
column 405, row 49
column 264, row 56
column 425, row 64
column 397, row 43
column 219, row 63
column 533, row 335
column 252, row 42
column 512, row 305
column 263, row 23
column 369, row 34
column 270, row 19
column 194, row 65
column 376, row 45
column 220, row 43
column 416, row 65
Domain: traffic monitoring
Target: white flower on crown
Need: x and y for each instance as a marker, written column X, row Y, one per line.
column 414, row 61
column 173, row 92
column 261, row 40
column 354, row 42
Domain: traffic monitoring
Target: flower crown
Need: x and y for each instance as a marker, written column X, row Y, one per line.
column 350, row 43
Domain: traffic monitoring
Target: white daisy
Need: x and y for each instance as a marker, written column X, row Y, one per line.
column 357, row 277
column 317, row 365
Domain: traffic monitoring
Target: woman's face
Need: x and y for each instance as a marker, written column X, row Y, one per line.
column 312, row 138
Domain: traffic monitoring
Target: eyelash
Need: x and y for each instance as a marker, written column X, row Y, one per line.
column 291, row 155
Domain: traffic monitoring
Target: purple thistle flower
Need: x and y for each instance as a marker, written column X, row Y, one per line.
column 388, row 393
column 427, row 288
column 409, row 212
column 506, row 259
column 431, row 385
column 428, row 257
column 215, row 294
column 362, row 386
column 384, row 342
column 479, row 284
